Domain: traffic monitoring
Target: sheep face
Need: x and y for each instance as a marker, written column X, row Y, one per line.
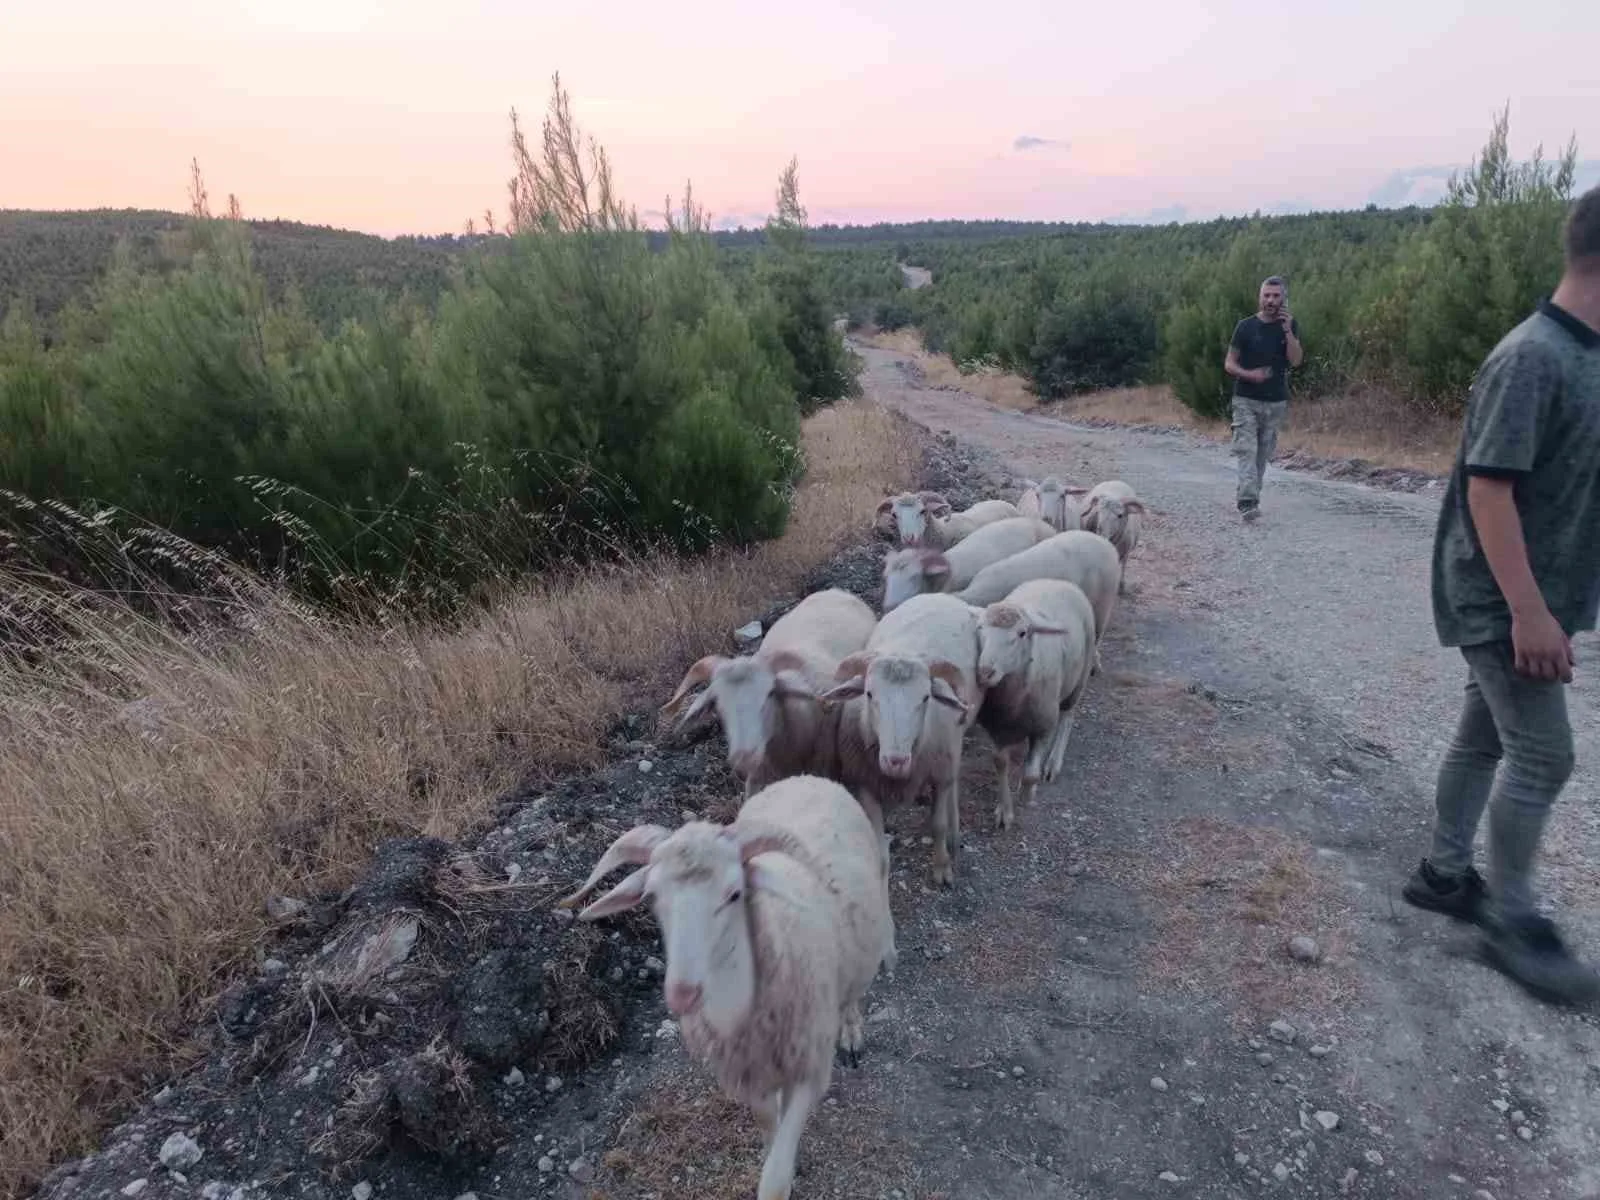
column 910, row 519
column 698, row 881
column 1005, row 643
column 1108, row 516
column 908, row 573
column 902, row 694
column 1053, row 505
column 911, row 512
column 749, row 696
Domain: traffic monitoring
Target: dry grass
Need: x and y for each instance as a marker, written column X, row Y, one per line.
column 144, row 825
column 1227, row 899
column 1368, row 424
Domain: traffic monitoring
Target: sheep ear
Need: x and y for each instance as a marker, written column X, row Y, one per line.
column 793, row 685
column 852, row 664
column 1133, row 505
column 633, row 847
column 625, row 895
column 936, row 504
column 885, row 505
column 700, row 673
column 1047, row 630
column 935, row 566
column 759, row 877
column 848, row 690
column 944, row 694
column 784, row 660
column 1076, row 491
column 702, row 702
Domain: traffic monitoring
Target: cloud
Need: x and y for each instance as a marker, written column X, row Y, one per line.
column 1027, row 142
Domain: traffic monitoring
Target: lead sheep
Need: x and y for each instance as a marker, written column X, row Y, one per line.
column 767, row 702
column 909, row 698
column 1049, row 501
column 1035, row 652
column 1083, row 558
column 773, row 929
column 925, row 519
column 916, row 570
column 1114, row 511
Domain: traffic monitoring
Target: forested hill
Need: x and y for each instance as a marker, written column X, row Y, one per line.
column 53, row 257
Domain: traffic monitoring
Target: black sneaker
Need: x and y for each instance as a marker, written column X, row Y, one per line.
column 1531, row 952
column 1249, row 511
column 1459, row 896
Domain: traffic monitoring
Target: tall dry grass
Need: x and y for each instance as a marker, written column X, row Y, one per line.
column 156, row 794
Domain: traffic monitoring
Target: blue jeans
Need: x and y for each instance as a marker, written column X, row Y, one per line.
column 1512, row 754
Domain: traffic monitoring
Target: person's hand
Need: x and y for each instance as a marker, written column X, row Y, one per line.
column 1261, row 375
column 1286, row 319
column 1543, row 650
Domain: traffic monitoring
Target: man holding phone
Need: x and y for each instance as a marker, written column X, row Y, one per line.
column 1262, row 350
column 1516, row 572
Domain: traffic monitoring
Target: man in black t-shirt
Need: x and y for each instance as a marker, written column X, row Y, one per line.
column 1262, row 350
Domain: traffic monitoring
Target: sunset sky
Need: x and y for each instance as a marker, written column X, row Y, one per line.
column 392, row 115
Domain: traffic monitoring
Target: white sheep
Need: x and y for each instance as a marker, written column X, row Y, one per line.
column 1035, row 652
column 1114, row 511
column 767, row 702
column 1049, row 501
column 925, row 519
column 1083, row 558
column 918, row 569
column 773, row 929
column 910, row 697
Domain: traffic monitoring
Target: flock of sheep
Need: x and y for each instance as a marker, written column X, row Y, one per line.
column 775, row 925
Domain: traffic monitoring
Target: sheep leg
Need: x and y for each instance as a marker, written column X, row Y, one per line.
column 1058, row 743
column 766, row 1112
column 1004, row 810
column 852, row 1033
column 946, row 830
column 777, row 1173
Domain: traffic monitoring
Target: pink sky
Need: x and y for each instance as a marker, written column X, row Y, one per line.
column 391, row 115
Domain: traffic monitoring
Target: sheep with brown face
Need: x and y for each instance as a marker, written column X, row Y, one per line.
column 909, row 698
column 926, row 519
column 773, row 929
column 767, row 702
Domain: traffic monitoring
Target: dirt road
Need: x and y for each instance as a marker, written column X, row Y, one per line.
column 1102, row 1007
column 1256, row 763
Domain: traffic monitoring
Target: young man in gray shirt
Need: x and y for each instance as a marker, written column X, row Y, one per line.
column 1516, row 572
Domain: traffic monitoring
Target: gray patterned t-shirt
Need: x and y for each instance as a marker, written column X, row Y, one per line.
column 1533, row 416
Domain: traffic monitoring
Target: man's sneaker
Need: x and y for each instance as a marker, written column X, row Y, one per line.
column 1249, row 511
column 1459, row 896
column 1530, row 951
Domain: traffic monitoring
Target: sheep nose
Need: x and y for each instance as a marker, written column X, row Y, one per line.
column 897, row 764
column 986, row 676
column 683, row 998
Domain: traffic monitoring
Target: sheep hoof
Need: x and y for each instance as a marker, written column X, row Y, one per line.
column 1003, row 818
column 944, row 875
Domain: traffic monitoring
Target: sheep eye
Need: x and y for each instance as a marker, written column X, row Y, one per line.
column 733, row 896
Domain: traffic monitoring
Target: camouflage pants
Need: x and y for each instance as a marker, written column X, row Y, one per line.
column 1255, row 440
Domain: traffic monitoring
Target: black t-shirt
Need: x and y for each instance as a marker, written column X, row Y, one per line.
column 1263, row 344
